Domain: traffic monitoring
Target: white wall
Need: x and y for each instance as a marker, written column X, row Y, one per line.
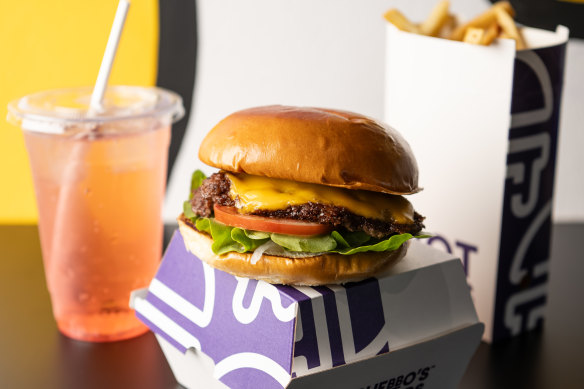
column 326, row 53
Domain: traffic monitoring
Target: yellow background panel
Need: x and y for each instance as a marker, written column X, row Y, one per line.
column 47, row 44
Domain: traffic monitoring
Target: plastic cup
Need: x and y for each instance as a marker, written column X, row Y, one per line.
column 99, row 180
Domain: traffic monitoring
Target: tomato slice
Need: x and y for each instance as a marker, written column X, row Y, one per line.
column 230, row 216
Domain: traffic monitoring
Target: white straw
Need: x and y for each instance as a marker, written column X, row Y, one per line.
column 66, row 197
column 108, row 57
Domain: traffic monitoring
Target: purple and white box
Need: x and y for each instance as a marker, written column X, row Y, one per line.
column 483, row 123
column 414, row 326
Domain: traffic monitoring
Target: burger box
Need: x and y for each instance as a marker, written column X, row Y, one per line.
column 483, row 124
column 415, row 326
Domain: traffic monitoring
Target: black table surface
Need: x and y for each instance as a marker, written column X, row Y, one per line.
column 33, row 354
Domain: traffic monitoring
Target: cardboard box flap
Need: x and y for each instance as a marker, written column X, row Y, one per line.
column 257, row 332
column 423, row 295
column 436, row 362
column 246, row 327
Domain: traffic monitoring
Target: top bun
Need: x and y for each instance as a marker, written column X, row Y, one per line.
column 314, row 145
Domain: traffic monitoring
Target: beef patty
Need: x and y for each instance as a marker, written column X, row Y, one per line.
column 215, row 190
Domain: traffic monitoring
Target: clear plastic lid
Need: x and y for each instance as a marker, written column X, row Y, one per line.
column 55, row 111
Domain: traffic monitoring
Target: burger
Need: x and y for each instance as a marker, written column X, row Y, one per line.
column 304, row 196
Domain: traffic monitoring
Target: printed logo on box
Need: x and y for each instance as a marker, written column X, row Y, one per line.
column 414, row 379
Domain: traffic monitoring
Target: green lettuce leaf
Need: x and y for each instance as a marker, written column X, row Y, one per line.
column 188, row 210
column 350, row 239
column 390, row 244
column 223, row 241
column 249, row 244
column 313, row 244
column 196, row 180
column 203, row 224
column 226, row 239
column 256, row 234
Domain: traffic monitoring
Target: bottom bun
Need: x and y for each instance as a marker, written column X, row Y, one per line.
column 317, row 270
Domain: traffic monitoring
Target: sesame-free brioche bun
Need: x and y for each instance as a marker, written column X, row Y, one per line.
column 316, row 270
column 314, row 145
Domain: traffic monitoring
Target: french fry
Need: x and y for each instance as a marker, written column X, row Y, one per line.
column 483, row 20
column 436, row 20
column 508, row 26
column 400, row 21
column 490, row 34
column 496, row 22
column 449, row 26
column 474, row 35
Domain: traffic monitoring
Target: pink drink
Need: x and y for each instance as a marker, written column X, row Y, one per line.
column 99, row 195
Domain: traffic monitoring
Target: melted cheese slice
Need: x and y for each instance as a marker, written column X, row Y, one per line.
column 253, row 193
